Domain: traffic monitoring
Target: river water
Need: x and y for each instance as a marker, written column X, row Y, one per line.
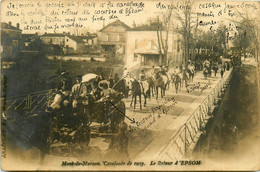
column 233, row 141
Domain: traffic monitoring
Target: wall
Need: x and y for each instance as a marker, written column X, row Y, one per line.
column 55, row 40
column 147, row 42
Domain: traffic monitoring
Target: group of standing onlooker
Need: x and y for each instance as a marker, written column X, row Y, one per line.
column 222, row 67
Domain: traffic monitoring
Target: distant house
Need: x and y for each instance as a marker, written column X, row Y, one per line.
column 28, row 38
column 112, row 38
column 11, row 38
column 89, row 39
column 53, row 38
column 142, row 47
column 74, row 45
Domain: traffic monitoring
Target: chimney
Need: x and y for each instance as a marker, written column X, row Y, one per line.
column 9, row 24
column 17, row 25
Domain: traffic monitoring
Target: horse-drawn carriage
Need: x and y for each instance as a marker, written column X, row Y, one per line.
column 72, row 123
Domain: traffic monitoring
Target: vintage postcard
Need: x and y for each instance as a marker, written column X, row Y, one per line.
column 116, row 85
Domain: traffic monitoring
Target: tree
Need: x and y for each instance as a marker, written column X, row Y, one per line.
column 242, row 41
column 80, row 31
column 185, row 16
column 247, row 26
column 38, row 45
column 163, row 25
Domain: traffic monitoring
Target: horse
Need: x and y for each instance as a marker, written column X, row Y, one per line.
column 122, row 87
column 167, row 84
column 206, row 72
column 176, row 79
column 150, row 80
column 139, row 89
column 160, row 81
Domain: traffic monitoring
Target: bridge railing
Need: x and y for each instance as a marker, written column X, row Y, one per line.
column 33, row 102
column 186, row 137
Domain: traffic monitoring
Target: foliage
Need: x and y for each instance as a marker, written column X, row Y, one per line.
column 185, row 17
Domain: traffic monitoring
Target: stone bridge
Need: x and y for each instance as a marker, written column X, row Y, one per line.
column 176, row 138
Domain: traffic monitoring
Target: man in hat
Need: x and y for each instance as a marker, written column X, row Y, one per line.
column 142, row 76
column 65, row 83
column 152, row 72
column 76, row 87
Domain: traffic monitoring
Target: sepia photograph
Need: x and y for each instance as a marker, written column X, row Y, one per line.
column 130, row 85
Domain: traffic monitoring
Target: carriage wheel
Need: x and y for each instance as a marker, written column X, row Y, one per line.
column 118, row 115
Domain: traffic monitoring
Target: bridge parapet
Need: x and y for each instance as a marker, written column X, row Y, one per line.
column 29, row 103
column 190, row 126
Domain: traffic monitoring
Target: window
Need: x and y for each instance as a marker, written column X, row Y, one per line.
column 67, row 40
column 135, row 57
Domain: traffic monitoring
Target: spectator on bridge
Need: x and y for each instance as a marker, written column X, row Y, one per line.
column 222, row 71
column 224, row 67
column 228, row 66
column 215, row 68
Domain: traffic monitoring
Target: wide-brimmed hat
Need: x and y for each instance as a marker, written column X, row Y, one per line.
column 102, row 83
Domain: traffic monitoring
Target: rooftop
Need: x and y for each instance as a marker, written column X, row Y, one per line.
column 53, row 35
column 150, row 27
column 9, row 25
column 77, row 39
column 117, row 23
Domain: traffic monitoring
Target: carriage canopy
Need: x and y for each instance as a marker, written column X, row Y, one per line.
column 89, row 77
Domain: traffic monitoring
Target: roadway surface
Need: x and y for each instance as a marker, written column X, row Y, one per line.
column 160, row 117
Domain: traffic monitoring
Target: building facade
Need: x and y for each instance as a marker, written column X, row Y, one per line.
column 142, row 48
column 11, row 38
column 53, row 38
column 112, row 38
column 74, row 45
